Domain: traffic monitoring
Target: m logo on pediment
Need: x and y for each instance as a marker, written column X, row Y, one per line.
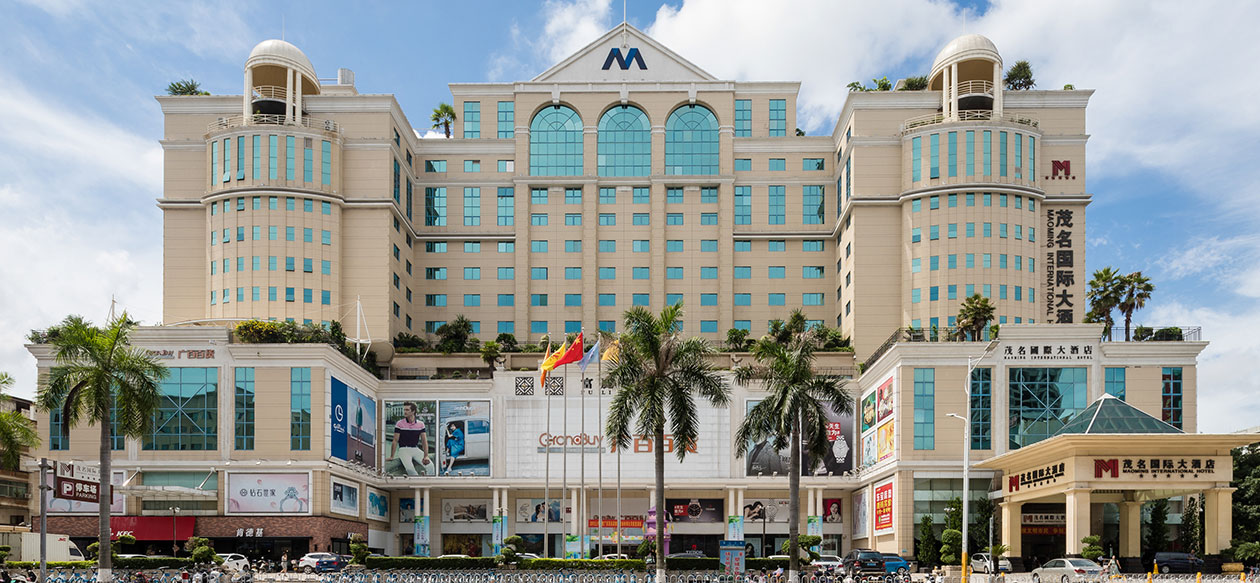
column 632, row 56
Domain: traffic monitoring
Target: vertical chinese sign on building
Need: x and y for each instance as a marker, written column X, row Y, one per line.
column 884, row 508
column 1060, row 269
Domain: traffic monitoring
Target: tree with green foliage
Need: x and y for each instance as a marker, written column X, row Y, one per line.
column 17, row 432
column 737, row 340
column 453, row 336
column 1069, row 87
column 1246, row 498
column 657, row 375
column 928, row 549
column 803, row 544
column 915, row 83
column 982, row 509
column 951, row 547
column 442, row 118
column 507, row 342
column 358, row 549
column 1135, row 290
column 1157, row 528
column 974, row 316
column 102, row 380
column 490, row 354
column 1092, row 549
column 1103, row 295
column 794, row 414
column 185, row 87
column 512, row 546
column 201, row 551
column 1191, row 525
column 881, row 84
column 1020, row 77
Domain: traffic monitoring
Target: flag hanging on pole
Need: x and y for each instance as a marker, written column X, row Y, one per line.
column 614, row 350
column 590, row 356
column 549, row 363
column 572, row 354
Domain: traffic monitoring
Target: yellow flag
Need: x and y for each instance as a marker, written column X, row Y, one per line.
column 549, row 363
column 614, row 350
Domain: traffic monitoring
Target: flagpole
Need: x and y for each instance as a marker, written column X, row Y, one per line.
column 547, row 471
column 620, row 539
column 583, row 526
column 599, row 418
column 564, row 466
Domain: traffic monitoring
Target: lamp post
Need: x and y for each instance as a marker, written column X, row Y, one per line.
column 972, row 363
column 174, row 530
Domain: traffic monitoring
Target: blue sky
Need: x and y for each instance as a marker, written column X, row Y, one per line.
column 1174, row 123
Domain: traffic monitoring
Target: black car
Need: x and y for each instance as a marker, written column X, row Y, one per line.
column 1178, row 563
column 863, row 562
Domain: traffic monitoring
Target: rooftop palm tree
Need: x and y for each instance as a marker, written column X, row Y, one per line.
column 17, row 432
column 657, row 376
column 443, row 117
column 1134, row 290
column 185, row 87
column 1020, row 77
column 793, row 415
column 974, row 316
column 1104, row 296
column 98, row 373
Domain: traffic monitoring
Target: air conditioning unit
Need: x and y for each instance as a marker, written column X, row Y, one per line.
column 329, row 125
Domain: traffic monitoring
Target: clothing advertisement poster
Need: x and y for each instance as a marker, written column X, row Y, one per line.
column 377, row 505
column 410, row 438
column 464, row 441
column 353, row 421
column 345, row 498
column 861, row 513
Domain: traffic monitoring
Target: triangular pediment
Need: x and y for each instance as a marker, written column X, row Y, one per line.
column 624, row 54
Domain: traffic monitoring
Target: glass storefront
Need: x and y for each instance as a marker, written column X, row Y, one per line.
column 1042, row 400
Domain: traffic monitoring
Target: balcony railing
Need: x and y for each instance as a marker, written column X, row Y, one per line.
column 967, row 115
column 977, row 87
column 1155, row 334
column 258, row 119
column 270, row 92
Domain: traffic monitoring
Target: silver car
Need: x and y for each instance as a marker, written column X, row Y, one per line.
column 1066, row 571
column 980, row 563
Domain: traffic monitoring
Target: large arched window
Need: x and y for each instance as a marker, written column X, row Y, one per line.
column 691, row 141
column 555, row 142
column 625, row 142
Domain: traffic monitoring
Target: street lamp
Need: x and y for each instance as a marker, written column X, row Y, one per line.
column 174, row 533
column 972, row 363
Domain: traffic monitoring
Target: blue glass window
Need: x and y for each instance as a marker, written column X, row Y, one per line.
column 743, row 118
column 472, row 119
column 777, row 204
column 506, row 120
column 981, row 408
column 1042, row 400
column 743, row 205
column 186, row 418
column 924, row 408
column 778, row 117
column 1171, row 404
column 625, row 142
column 555, row 142
column 1113, row 380
column 691, row 142
column 812, row 204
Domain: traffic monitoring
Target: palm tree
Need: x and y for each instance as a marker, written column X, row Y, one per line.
column 1020, row 77
column 99, row 372
column 1104, row 296
column 443, row 117
column 657, row 375
column 453, row 336
column 793, row 414
column 1134, row 290
column 974, row 316
column 185, row 87
column 17, row 433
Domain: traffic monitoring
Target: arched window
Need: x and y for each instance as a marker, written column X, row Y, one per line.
column 691, row 141
column 555, row 142
column 625, row 142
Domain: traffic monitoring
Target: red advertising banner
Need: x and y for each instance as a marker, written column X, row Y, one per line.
column 612, row 523
column 152, row 527
column 883, row 507
column 73, row 489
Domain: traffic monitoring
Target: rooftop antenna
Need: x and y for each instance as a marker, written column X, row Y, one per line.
column 964, row 11
column 281, row 27
column 113, row 303
column 624, row 42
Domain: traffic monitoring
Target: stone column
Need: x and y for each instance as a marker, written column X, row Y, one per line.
column 288, row 95
column 946, row 83
column 246, row 110
column 953, row 96
column 1130, row 529
column 297, row 102
column 1077, row 508
column 1217, row 519
column 997, row 90
column 1012, row 527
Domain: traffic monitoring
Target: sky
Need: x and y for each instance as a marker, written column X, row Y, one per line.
column 1174, row 124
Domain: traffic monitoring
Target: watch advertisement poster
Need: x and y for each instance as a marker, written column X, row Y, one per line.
column 694, row 510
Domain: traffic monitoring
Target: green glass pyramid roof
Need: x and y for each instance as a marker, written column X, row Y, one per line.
column 1111, row 415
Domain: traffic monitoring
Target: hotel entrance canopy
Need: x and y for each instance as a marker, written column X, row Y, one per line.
column 1114, row 453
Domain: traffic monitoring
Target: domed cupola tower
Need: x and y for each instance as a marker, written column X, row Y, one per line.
column 968, row 73
column 277, row 76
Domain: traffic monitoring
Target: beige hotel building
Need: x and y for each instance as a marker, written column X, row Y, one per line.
column 623, row 176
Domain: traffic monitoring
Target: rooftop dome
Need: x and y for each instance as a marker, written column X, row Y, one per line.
column 968, row 46
column 283, row 54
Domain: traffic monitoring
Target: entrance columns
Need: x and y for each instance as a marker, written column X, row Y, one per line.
column 1077, row 519
column 1217, row 519
column 1012, row 527
column 1130, row 529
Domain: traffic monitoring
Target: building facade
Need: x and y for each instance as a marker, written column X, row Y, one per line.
column 622, row 176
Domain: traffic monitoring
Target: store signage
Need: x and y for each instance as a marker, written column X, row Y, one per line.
column 1048, row 352
column 1060, row 170
column 632, row 56
column 1153, row 467
column 1060, row 266
column 580, row 440
column 1044, row 518
column 249, row 532
column 169, row 354
column 884, row 508
column 611, row 522
column 1036, row 478
column 152, row 527
column 80, row 483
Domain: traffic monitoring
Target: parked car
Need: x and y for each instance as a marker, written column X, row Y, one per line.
column 453, row 556
column 1066, row 570
column 321, row 562
column 1177, row 563
column 523, row 556
column 234, row 561
column 863, row 562
column 893, row 563
column 687, row 554
column 613, row 557
column 831, row 562
column 981, row 563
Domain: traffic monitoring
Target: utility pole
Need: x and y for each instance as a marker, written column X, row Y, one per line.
column 43, row 519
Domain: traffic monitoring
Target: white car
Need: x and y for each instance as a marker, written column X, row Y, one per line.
column 613, row 557
column 980, row 564
column 827, row 562
column 235, row 561
column 309, row 563
column 453, row 556
column 1066, row 571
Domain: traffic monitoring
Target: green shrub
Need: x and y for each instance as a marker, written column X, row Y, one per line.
column 52, row 564
column 1170, row 334
column 1143, row 333
column 692, row 563
column 358, row 548
column 582, row 564
column 423, row 563
column 1092, row 550
column 152, row 562
column 951, row 547
column 764, row 563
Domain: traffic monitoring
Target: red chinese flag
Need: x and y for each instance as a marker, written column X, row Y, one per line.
column 573, row 354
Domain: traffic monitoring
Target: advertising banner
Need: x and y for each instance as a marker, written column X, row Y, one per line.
column 886, row 394
column 377, row 505
column 735, row 528
column 353, row 422
column 884, row 508
column 345, row 498
column 407, row 510
column 694, row 510
column 265, row 493
column 572, row 546
column 861, row 513
column 535, row 510
column 761, row 459
column 498, row 525
column 731, row 553
column 813, row 527
column 410, row 438
column 473, row 545
column 58, row 505
column 870, row 451
column 831, row 510
column 421, row 536
column 152, row 527
column 887, row 440
column 868, row 412
column 765, row 509
column 464, row 446
column 465, row 510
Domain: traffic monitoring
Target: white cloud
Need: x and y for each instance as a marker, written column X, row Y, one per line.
column 569, row 25
column 431, row 135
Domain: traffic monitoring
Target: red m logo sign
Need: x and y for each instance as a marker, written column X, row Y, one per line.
column 1103, row 467
column 1012, row 483
column 1060, row 166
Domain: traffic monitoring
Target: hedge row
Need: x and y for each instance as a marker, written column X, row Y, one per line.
column 51, row 564
column 419, row 563
column 152, row 562
column 582, row 564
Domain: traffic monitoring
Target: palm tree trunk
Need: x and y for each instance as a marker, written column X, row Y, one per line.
column 794, row 503
column 659, row 453
column 1128, row 319
column 105, row 498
